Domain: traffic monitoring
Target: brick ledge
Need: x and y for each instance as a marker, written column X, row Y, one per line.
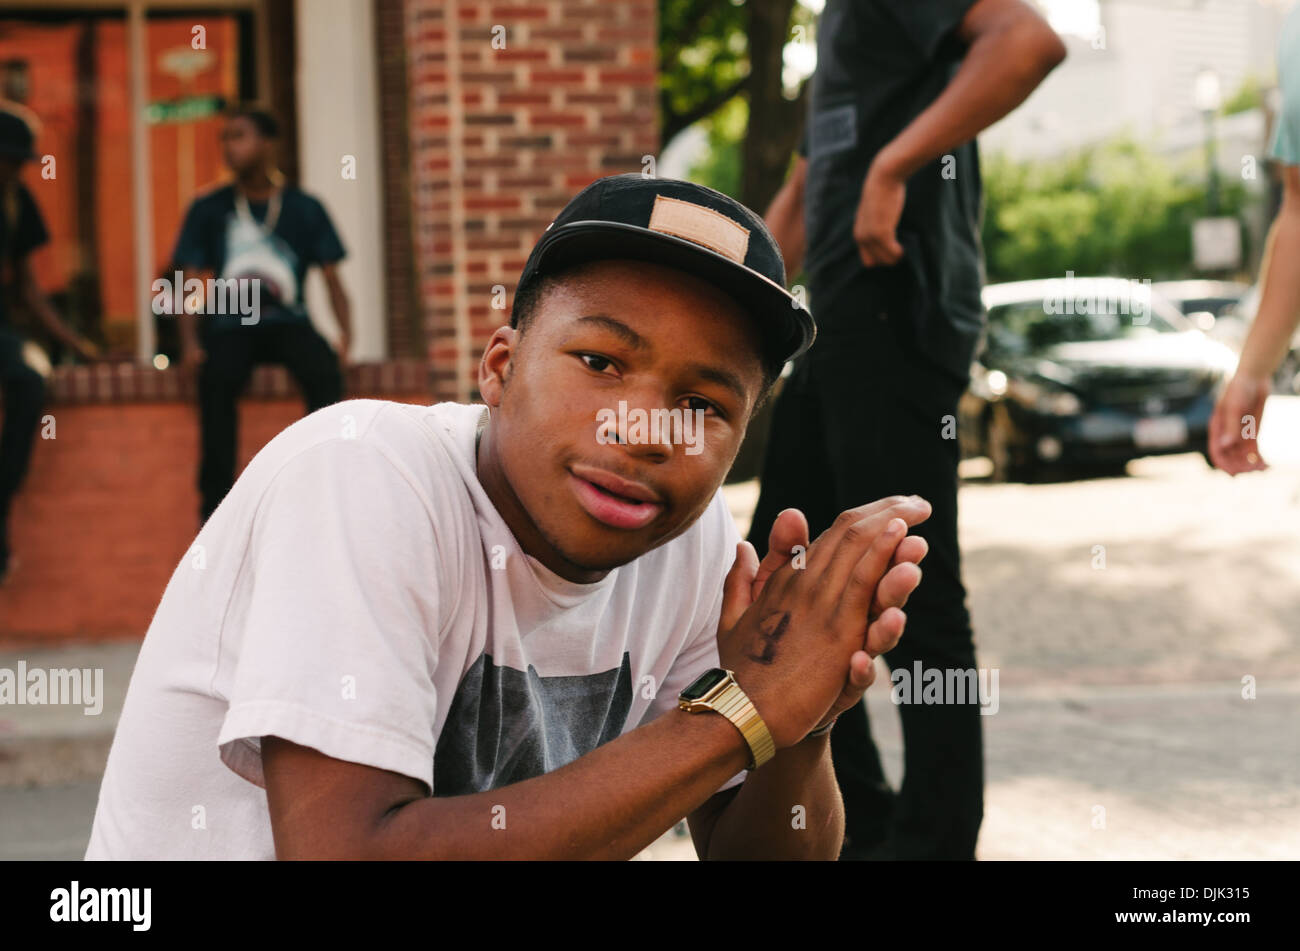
column 132, row 383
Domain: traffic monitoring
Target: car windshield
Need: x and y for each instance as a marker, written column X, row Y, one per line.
column 1026, row 327
column 1215, row 305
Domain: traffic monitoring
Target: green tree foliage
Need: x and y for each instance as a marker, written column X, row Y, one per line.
column 716, row 56
column 1250, row 95
column 720, row 166
column 703, row 59
column 1111, row 209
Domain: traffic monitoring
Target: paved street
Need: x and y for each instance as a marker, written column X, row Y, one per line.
column 1121, row 731
column 1121, row 680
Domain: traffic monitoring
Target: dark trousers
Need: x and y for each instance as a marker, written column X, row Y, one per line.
column 231, row 356
column 862, row 417
column 24, row 398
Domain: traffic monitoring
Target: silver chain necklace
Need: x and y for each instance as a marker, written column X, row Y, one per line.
column 272, row 211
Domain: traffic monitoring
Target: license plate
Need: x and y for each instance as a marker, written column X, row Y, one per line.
column 1159, row 432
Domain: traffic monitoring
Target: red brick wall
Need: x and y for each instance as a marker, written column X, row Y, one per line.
column 502, row 138
column 110, row 505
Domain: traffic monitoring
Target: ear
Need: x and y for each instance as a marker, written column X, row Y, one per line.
column 494, row 368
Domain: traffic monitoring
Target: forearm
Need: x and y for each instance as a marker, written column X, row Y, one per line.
column 609, row 804
column 789, row 809
column 1002, row 66
column 1279, row 303
column 339, row 302
column 39, row 305
column 785, row 219
column 342, row 312
column 34, row 298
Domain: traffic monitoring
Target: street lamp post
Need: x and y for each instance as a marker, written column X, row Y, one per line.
column 1208, row 97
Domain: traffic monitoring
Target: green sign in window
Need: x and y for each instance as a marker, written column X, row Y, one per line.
column 183, row 110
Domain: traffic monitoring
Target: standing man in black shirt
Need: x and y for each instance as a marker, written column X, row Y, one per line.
column 22, row 231
column 255, row 229
column 886, row 198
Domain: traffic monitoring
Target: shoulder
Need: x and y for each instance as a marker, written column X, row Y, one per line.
column 424, row 445
column 323, row 444
column 364, row 463
column 214, row 198
column 23, row 213
column 25, row 199
column 384, row 426
column 295, row 197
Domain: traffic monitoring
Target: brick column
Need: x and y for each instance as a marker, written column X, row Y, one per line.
column 513, row 109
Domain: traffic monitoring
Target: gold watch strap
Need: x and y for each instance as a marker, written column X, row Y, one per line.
column 733, row 704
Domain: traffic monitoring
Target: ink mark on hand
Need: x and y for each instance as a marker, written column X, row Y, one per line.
column 770, row 630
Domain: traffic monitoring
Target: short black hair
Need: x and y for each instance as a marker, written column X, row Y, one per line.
column 266, row 124
column 525, row 306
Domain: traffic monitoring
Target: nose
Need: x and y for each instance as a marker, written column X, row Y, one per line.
column 645, row 428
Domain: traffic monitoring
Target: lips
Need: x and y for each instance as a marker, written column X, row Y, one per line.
column 614, row 501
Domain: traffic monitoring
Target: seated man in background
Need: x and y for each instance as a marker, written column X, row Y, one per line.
column 256, row 229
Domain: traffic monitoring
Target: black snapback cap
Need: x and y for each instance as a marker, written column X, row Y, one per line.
column 686, row 226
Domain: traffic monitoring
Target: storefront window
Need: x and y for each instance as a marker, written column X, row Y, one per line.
column 70, row 69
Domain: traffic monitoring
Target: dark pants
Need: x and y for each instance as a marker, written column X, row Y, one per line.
column 862, row 417
column 231, row 356
column 24, row 398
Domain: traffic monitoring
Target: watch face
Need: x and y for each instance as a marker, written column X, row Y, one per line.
column 706, row 682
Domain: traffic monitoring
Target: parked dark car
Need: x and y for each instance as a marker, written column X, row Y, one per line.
column 1087, row 372
column 1197, row 298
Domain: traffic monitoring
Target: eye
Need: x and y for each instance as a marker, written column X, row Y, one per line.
column 595, row 361
column 699, row 402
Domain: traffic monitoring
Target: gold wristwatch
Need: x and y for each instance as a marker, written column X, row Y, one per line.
column 718, row 691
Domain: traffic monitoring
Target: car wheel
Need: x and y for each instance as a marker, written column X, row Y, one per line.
column 1110, row 469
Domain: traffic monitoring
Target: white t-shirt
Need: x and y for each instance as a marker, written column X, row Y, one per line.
column 356, row 592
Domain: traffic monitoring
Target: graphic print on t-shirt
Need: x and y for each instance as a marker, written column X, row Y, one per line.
column 251, row 253
column 507, row 725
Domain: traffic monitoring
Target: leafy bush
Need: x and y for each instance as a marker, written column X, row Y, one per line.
column 1111, row 209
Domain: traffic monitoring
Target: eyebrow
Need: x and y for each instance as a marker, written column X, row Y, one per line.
column 618, row 329
column 724, row 378
column 713, row 374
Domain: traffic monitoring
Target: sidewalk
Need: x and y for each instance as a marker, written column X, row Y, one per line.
column 49, row 744
column 1121, row 730
column 1181, row 771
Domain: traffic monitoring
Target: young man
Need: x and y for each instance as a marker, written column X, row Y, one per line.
column 886, row 197
column 1234, row 427
column 469, row 632
column 255, row 229
column 22, row 231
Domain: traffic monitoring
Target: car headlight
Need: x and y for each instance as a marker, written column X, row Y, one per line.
column 1061, row 403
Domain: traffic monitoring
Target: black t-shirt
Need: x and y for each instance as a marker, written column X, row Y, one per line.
column 22, row 230
column 215, row 236
column 880, row 63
